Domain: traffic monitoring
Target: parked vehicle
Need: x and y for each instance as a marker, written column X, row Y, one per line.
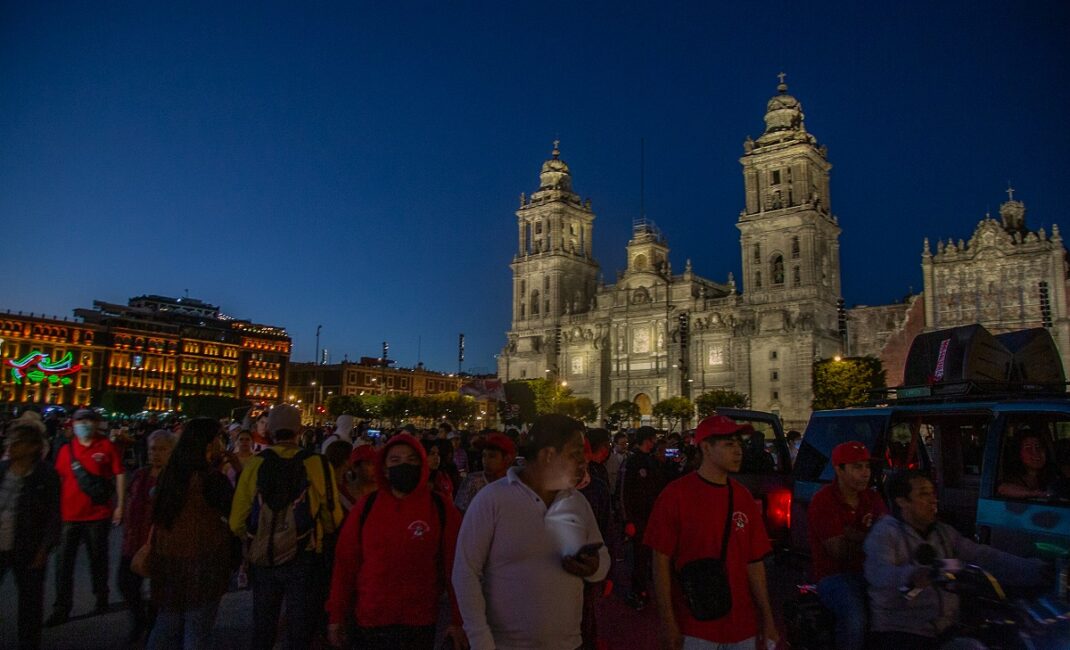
column 962, row 427
column 766, row 470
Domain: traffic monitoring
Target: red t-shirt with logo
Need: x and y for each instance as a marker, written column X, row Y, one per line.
column 687, row 524
column 100, row 458
column 827, row 516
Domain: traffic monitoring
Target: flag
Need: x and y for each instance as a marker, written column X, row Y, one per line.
column 485, row 389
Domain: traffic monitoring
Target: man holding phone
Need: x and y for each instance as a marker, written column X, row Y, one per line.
column 526, row 546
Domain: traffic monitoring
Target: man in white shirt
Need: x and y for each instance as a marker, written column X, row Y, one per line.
column 526, row 545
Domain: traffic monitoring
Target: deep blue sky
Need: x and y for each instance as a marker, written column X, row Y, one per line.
column 357, row 165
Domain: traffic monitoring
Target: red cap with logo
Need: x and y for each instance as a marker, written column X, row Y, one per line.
column 501, row 442
column 849, row 452
column 717, row 426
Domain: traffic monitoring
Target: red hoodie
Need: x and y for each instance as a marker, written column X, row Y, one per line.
column 394, row 570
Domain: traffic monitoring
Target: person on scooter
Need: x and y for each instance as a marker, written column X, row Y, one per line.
column 906, row 609
column 840, row 515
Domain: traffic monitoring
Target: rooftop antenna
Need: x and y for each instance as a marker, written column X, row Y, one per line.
column 419, row 350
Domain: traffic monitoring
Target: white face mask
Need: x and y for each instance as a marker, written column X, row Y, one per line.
column 83, row 430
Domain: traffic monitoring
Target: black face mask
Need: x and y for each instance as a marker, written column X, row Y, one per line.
column 404, row 477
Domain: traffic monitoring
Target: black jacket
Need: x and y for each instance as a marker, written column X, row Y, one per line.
column 641, row 482
column 37, row 523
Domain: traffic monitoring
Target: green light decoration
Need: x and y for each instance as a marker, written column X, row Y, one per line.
column 38, row 367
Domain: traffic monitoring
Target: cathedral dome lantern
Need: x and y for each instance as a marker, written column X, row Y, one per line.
column 1013, row 213
column 555, row 174
column 784, row 118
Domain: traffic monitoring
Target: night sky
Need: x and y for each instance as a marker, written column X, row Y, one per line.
column 358, row 165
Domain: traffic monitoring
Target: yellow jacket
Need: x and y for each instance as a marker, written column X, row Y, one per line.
column 327, row 521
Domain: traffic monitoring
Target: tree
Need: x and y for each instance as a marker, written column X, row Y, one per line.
column 450, row 406
column 549, row 395
column 675, row 409
column 839, row 383
column 346, row 405
column 210, row 406
column 582, row 408
column 396, row 407
column 710, row 401
column 125, row 403
column 622, row 411
column 373, row 406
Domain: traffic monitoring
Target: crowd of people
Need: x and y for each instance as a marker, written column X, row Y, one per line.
column 353, row 537
column 348, row 536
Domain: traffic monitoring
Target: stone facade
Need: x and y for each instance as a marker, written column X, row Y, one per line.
column 654, row 334
column 886, row 332
column 1006, row 277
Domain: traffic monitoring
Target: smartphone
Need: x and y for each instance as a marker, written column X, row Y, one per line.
column 589, row 549
column 672, row 452
column 373, row 433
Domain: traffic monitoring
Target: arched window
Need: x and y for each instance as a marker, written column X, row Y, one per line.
column 794, row 248
column 777, row 269
column 758, row 280
column 757, row 252
column 639, row 263
column 534, row 303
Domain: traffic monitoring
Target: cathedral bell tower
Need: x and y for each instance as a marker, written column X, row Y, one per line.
column 789, row 237
column 554, row 271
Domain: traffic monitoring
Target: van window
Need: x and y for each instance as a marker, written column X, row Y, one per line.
column 824, row 433
column 768, row 456
column 955, row 442
column 1034, row 459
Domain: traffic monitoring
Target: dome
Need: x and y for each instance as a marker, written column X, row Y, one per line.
column 783, row 112
column 555, row 174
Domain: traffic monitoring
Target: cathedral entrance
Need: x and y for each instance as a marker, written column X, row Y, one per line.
column 642, row 400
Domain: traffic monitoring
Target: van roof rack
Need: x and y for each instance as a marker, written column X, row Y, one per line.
column 965, row 391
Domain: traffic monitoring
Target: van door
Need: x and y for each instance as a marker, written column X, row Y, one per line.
column 955, row 443
column 1036, row 524
column 812, row 467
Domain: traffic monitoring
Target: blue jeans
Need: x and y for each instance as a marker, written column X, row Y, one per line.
column 189, row 629
column 844, row 595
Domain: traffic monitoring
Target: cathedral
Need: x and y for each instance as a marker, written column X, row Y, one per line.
column 656, row 334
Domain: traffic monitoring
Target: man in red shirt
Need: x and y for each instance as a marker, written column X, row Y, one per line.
column 840, row 515
column 91, row 474
column 688, row 523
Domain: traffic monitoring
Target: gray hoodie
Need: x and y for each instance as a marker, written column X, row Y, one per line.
column 890, row 550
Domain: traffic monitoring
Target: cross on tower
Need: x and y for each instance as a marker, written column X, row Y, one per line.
column 781, row 77
column 1010, row 192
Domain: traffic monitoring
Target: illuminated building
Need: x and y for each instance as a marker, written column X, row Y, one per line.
column 312, row 384
column 48, row 360
column 162, row 348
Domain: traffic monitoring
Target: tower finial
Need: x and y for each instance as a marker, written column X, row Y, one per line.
column 557, row 151
column 782, row 87
column 1010, row 192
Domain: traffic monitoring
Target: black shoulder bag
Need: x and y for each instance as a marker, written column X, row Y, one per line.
column 99, row 489
column 705, row 581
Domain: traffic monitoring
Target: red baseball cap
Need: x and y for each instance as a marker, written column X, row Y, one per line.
column 501, row 442
column 849, row 452
column 717, row 426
